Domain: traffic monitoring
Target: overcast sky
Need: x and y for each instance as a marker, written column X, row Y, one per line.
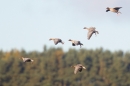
column 28, row 24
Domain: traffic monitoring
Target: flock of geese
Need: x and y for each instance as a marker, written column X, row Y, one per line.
column 91, row 31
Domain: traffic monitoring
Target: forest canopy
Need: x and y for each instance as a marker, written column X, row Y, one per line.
column 52, row 67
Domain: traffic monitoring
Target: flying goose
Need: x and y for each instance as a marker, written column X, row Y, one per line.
column 75, row 43
column 115, row 10
column 56, row 40
column 78, row 67
column 91, row 30
column 27, row 59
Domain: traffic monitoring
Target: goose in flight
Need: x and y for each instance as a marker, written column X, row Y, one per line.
column 75, row 43
column 27, row 59
column 56, row 40
column 91, row 30
column 115, row 10
column 78, row 68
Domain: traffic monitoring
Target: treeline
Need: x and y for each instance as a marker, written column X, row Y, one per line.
column 52, row 67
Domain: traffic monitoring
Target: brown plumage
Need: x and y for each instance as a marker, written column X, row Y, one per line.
column 75, row 43
column 115, row 10
column 78, row 68
column 56, row 40
column 91, row 30
column 27, row 59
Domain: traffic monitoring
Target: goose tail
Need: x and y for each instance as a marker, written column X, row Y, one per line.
column 62, row 42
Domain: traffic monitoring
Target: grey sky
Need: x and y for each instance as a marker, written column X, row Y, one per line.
column 29, row 24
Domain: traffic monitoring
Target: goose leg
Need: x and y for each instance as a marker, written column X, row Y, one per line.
column 118, row 13
column 81, row 45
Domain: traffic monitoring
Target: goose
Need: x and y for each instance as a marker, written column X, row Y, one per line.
column 78, row 67
column 115, row 10
column 75, row 43
column 27, row 59
column 91, row 30
column 56, row 40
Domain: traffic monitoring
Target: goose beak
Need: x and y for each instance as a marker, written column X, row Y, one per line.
column 85, row 28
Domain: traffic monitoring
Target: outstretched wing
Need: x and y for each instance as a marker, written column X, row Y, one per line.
column 117, row 8
column 76, row 70
column 90, row 33
column 56, row 41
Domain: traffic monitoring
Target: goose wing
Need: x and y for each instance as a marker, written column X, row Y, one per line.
column 56, row 41
column 90, row 33
column 76, row 69
column 117, row 8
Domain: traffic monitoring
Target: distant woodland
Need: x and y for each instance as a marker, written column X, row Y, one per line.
column 52, row 67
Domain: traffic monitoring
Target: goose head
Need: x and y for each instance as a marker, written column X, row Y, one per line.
column 85, row 28
column 108, row 9
column 50, row 39
column 69, row 40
